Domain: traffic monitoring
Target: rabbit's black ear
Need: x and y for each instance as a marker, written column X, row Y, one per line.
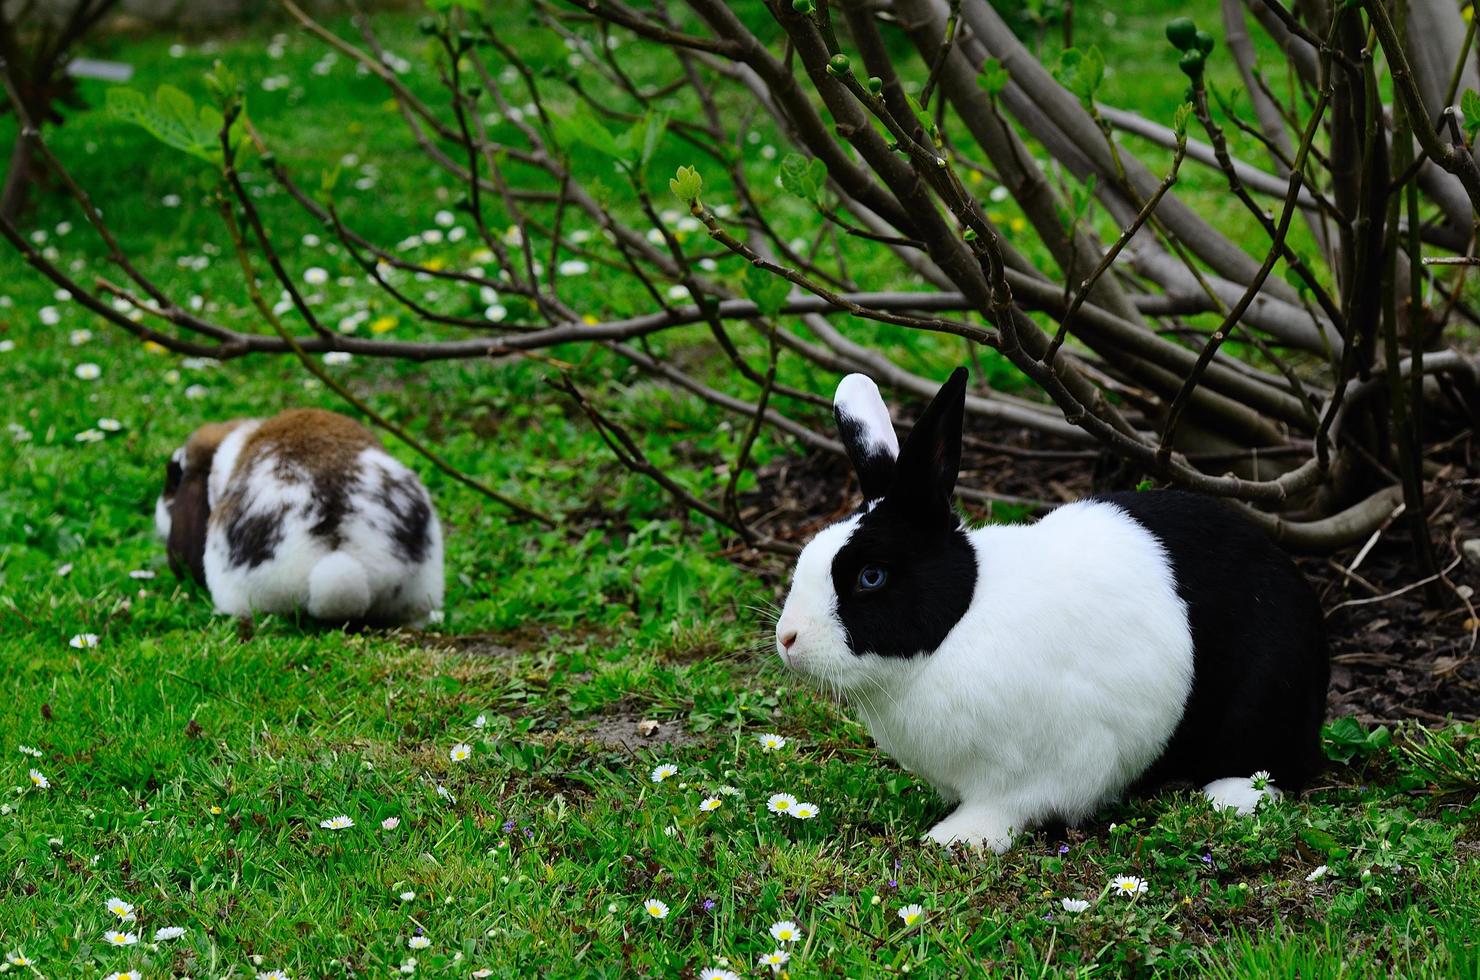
column 925, row 475
column 189, row 512
column 867, row 433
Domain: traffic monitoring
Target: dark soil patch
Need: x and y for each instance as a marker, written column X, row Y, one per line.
column 631, row 731
column 1409, row 655
column 502, row 643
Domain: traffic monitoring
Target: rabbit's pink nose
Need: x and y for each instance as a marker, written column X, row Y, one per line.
column 788, row 638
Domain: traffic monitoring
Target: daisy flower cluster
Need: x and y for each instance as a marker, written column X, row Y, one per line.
column 779, row 803
column 784, row 933
column 122, row 931
column 1124, row 886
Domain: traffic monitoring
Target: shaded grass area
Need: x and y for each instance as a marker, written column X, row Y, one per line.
column 191, row 761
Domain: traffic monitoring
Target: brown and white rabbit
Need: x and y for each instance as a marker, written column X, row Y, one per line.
column 302, row 512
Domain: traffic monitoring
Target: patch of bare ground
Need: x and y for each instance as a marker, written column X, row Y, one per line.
column 630, row 731
column 529, row 638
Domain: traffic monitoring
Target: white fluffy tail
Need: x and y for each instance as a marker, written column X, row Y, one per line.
column 338, row 589
column 1241, row 794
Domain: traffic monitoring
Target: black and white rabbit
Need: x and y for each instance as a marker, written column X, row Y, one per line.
column 304, row 511
column 1038, row 672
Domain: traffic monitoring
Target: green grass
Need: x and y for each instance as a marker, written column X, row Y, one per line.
column 191, row 761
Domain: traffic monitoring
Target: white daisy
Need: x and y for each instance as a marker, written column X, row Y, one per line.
column 274, row 975
column 79, row 337
column 18, row 958
column 34, row 753
column 122, row 909
column 727, row 791
column 804, row 811
column 408, row 896
column 663, row 772
column 120, row 938
column 785, row 931
column 418, row 942
column 141, row 574
column 574, row 267
column 340, row 822
column 39, row 781
column 125, row 975
column 496, row 312
column 1260, row 779
column 775, row 959
column 1128, row 885
column 197, row 392
column 716, row 973
column 390, row 823
column 1317, row 874
column 1073, row 904
column 315, row 276
column 655, row 908
column 83, row 641
column 445, row 218
column 460, row 752
column 335, row 358
column 781, row 802
column 771, row 742
column 445, row 793
column 709, row 803
column 89, row 435
column 481, row 721
column 49, row 316
column 168, row 933
column 110, row 425
column 88, row 371
column 912, row 914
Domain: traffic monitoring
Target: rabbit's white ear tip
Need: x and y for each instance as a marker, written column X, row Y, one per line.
column 855, row 386
column 858, row 400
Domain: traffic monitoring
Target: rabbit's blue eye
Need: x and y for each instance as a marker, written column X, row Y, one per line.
column 871, row 577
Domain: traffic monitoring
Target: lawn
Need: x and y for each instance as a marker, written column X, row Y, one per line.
column 197, row 769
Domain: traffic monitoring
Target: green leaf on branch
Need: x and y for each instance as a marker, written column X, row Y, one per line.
column 639, row 143
column 1081, row 72
column 804, row 177
column 1181, row 118
column 686, row 185
column 582, row 128
column 766, row 290
column 1469, row 104
column 993, row 77
column 922, row 115
column 173, row 118
column 222, row 82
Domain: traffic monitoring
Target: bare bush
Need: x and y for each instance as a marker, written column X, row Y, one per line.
column 1326, row 424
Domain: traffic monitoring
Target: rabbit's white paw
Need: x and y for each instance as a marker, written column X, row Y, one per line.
column 975, row 826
